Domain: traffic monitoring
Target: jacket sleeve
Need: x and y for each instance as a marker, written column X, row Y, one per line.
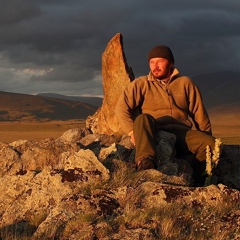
column 127, row 105
column 197, row 110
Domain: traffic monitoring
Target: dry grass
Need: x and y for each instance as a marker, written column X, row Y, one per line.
column 226, row 127
column 36, row 131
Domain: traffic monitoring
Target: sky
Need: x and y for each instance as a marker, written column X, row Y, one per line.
column 55, row 46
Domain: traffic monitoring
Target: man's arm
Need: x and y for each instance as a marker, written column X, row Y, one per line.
column 126, row 106
column 197, row 110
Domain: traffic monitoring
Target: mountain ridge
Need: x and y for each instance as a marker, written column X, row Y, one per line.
column 219, row 88
column 220, row 93
column 94, row 101
column 26, row 107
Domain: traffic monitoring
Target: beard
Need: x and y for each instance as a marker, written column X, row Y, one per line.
column 159, row 74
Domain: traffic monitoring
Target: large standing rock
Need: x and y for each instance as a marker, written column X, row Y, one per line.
column 116, row 75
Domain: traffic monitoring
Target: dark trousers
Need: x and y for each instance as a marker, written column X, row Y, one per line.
column 187, row 140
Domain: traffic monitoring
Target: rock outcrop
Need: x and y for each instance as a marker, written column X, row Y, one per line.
column 116, row 75
column 53, row 186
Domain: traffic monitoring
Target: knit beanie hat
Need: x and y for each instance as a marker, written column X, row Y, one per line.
column 161, row 52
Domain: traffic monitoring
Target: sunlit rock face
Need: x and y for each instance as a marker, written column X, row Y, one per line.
column 116, row 76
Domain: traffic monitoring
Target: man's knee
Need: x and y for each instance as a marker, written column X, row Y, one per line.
column 143, row 118
column 207, row 140
column 210, row 141
column 198, row 141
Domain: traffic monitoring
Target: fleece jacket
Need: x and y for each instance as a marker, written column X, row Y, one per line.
column 176, row 105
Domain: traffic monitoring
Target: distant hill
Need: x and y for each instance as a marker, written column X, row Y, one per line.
column 94, row 101
column 220, row 94
column 25, row 107
column 220, row 90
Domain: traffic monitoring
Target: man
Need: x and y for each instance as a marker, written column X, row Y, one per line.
column 167, row 101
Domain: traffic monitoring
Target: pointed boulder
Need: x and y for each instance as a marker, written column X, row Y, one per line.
column 116, row 76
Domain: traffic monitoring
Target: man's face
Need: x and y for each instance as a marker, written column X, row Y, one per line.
column 160, row 68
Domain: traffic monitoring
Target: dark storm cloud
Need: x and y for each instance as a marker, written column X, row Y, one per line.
column 56, row 46
column 15, row 11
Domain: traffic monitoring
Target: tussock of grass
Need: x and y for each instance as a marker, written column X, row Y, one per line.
column 79, row 221
column 122, row 174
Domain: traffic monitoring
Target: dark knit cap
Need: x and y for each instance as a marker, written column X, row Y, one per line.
column 161, row 52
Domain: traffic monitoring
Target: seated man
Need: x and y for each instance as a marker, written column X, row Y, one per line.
column 166, row 101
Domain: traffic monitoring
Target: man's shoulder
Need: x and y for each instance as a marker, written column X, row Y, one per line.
column 177, row 76
column 183, row 79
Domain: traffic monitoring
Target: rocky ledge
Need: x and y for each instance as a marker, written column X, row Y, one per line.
column 53, row 182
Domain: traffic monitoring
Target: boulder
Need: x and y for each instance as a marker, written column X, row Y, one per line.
column 72, row 135
column 116, row 75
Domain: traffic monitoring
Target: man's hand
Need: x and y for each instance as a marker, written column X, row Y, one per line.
column 130, row 134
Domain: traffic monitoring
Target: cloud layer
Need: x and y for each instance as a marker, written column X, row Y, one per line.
column 56, row 46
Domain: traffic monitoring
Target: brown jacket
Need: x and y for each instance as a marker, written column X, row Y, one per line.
column 173, row 104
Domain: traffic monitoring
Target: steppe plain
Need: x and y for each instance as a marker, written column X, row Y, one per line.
column 225, row 126
column 28, row 117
